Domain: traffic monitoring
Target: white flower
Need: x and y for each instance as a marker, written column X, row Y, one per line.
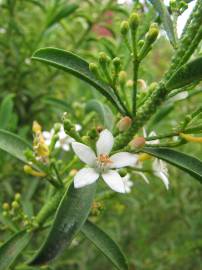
column 101, row 164
column 64, row 140
column 127, row 183
column 159, row 166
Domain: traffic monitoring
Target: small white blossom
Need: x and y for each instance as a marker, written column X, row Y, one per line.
column 127, row 183
column 2, row 30
column 159, row 166
column 101, row 164
column 64, row 140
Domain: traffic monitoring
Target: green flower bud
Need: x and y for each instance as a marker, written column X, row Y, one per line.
column 93, row 68
column 117, row 63
column 15, row 205
column 5, row 214
column 122, row 77
column 152, row 34
column 6, row 206
column 140, row 43
column 57, row 127
column 124, row 28
column 134, row 21
column 17, row 197
column 103, row 58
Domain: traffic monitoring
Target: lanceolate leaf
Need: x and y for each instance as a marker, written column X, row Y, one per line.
column 166, row 19
column 62, row 13
column 104, row 112
column 13, row 144
column 71, row 215
column 77, row 66
column 6, row 110
column 187, row 163
column 104, row 243
column 189, row 73
column 11, row 249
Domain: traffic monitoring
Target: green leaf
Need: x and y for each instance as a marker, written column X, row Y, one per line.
column 62, row 13
column 13, row 144
column 104, row 243
column 189, row 164
column 71, row 215
column 104, row 112
column 188, row 73
column 166, row 19
column 6, row 110
column 11, row 249
column 78, row 67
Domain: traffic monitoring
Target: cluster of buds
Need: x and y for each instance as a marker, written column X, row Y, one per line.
column 96, row 209
column 131, row 26
column 40, row 148
column 14, row 213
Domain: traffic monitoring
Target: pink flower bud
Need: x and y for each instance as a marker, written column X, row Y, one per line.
column 137, row 142
column 124, row 124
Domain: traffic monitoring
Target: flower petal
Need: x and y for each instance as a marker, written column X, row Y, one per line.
column 105, row 142
column 84, row 177
column 84, row 153
column 161, row 171
column 143, row 176
column 123, row 159
column 114, row 181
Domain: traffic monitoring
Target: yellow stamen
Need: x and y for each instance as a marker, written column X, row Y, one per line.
column 144, row 156
column 104, row 159
column 191, row 138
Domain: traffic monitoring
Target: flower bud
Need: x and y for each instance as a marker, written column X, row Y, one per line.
column 129, row 83
column 73, row 172
column 57, row 127
column 93, row 68
column 124, row 124
column 15, row 205
column 134, row 21
column 140, row 43
column 124, row 28
column 142, row 84
column 103, row 58
column 17, row 197
column 6, row 206
column 153, row 33
column 122, row 77
column 117, row 63
column 36, row 128
column 137, row 143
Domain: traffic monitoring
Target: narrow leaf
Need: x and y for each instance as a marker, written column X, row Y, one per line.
column 105, row 244
column 71, row 215
column 188, row 73
column 6, row 110
column 78, row 67
column 166, row 19
column 13, row 144
column 11, row 249
column 104, row 112
column 64, row 12
column 189, row 164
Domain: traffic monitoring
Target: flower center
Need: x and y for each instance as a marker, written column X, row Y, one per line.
column 103, row 161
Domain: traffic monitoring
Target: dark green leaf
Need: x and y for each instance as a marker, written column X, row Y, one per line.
column 13, row 144
column 11, row 249
column 62, row 13
column 166, row 19
column 188, row 73
column 6, row 110
column 104, row 243
column 71, row 215
column 189, row 164
column 104, row 112
column 77, row 66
